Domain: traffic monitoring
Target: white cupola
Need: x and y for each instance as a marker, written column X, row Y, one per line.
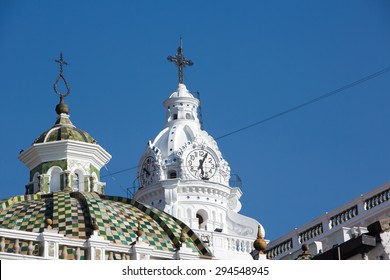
column 182, row 172
column 64, row 158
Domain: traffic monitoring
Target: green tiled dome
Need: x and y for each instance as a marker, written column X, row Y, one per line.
column 63, row 129
column 73, row 214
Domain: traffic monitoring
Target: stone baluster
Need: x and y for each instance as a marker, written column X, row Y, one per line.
column 110, row 255
column 238, row 246
column 243, row 246
column 232, row 244
column 30, row 248
column 65, row 252
column 17, row 246
column 78, row 253
column 2, row 244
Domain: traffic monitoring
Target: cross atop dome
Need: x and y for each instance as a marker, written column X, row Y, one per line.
column 61, row 108
column 180, row 61
column 61, row 62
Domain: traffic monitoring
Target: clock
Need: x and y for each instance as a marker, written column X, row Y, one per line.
column 149, row 171
column 201, row 164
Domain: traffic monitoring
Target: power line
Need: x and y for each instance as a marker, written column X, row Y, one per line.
column 319, row 98
column 292, row 109
column 117, row 172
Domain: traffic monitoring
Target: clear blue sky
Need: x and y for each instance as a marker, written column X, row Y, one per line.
column 252, row 59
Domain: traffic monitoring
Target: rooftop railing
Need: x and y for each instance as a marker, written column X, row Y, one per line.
column 16, row 244
column 364, row 208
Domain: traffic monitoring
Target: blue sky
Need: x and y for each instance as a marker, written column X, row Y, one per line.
column 252, row 59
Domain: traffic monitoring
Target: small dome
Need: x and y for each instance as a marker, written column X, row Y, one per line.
column 117, row 219
column 63, row 129
column 181, row 91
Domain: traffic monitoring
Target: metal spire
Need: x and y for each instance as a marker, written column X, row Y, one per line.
column 180, row 61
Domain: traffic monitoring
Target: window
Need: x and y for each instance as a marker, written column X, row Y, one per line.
column 175, row 116
column 172, row 174
column 202, row 217
column 55, row 179
column 76, row 182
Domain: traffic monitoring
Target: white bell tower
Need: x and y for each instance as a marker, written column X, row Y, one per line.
column 183, row 172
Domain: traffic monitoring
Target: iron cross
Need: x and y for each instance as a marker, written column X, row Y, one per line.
column 180, row 61
column 61, row 62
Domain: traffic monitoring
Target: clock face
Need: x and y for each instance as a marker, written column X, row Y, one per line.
column 201, row 164
column 149, row 172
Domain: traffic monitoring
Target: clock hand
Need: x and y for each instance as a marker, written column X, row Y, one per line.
column 201, row 161
column 146, row 171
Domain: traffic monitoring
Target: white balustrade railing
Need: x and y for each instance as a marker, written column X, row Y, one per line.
column 231, row 243
column 364, row 208
column 15, row 244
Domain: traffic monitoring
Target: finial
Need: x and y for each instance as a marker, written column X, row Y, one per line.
column 306, row 255
column 49, row 223
column 95, row 227
column 180, row 61
column 139, row 232
column 260, row 244
column 182, row 237
column 182, row 240
column 61, row 108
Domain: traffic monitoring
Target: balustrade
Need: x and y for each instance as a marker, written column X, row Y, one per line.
column 311, row 233
column 359, row 207
column 282, row 247
column 19, row 246
column 344, row 216
column 377, row 199
column 112, row 255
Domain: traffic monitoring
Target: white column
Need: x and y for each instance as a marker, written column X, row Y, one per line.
column 50, row 240
column 96, row 247
column 141, row 250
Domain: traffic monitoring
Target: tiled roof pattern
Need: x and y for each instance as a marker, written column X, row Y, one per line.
column 64, row 130
column 117, row 218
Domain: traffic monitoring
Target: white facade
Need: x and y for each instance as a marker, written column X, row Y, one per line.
column 183, row 173
column 338, row 226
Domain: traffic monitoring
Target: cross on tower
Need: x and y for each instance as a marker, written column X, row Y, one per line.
column 180, row 61
column 61, row 62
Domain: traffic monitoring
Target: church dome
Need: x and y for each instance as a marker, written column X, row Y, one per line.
column 170, row 154
column 63, row 129
column 117, row 219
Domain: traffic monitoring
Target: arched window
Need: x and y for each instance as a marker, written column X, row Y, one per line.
column 55, row 179
column 76, row 182
column 202, row 217
column 172, row 174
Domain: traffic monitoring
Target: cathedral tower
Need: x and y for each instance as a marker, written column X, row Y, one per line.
column 64, row 157
column 182, row 171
